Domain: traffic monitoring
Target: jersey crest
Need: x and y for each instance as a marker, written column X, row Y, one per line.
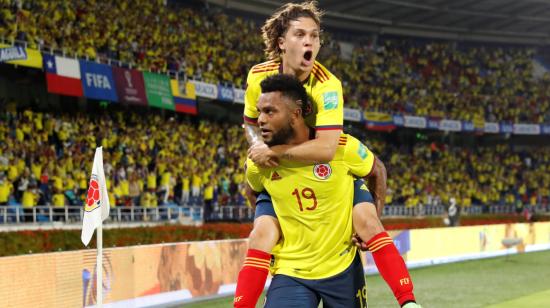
column 322, row 171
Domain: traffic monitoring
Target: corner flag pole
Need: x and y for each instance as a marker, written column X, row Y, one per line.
column 96, row 210
column 99, row 264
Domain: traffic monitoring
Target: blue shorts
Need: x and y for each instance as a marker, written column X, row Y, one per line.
column 264, row 206
column 347, row 289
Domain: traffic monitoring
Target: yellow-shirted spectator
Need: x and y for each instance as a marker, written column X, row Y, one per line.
column 19, row 135
column 124, row 188
column 59, row 200
column 466, row 201
column 185, row 190
column 152, row 180
column 36, row 169
column 209, row 192
column 20, row 164
column 149, row 199
column 112, row 199
column 70, row 183
column 29, row 199
column 6, row 188
column 165, row 179
column 196, row 184
column 117, row 192
column 389, row 199
column 13, row 173
column 58, row 182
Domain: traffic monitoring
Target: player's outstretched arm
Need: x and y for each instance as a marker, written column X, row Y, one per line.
column 376, row 182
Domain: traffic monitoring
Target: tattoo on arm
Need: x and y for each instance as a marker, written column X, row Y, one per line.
column 287, row 156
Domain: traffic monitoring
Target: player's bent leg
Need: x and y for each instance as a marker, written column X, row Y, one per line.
column 365, row 217
column 365, row 221
column 262, row 239
column 286, row 291
column 389, row 262
column 265, row 233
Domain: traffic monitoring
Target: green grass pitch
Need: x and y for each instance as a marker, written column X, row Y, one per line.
column 521, row 280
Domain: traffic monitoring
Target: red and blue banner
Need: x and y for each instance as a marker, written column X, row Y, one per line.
column 97, row 81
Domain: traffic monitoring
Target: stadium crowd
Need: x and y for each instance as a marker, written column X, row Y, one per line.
column 432, row 173
column 438, row 79
column 149, row 160
column 164, row 160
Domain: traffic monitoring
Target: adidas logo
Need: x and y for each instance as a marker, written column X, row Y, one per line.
column 275, row 176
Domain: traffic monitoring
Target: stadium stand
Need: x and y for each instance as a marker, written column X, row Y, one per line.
column 200, row 158
column 40, row 153
column 439, row 79
column 432, row 173
column 149, row 160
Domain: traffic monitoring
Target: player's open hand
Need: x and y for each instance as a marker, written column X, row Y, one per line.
column 359, row 242
column 263, row 156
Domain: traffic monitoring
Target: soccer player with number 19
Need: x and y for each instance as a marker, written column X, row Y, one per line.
column 292, row 39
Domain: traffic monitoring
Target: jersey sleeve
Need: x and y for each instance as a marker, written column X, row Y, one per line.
column 254, row 176
column 251, row 96
column 358, row 158
column 330, row 106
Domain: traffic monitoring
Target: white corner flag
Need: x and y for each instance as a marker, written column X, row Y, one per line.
column 97, row 205
column 96, row 210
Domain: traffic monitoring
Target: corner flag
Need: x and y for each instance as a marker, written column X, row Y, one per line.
column 97, row 206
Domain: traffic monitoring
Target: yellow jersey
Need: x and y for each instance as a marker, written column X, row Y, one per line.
column 58, row 200
column 152, row 181
column 314, row 206
column 6, row 188
column 29, row 199
column 324, row 91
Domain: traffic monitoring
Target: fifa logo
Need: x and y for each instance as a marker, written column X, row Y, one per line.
column 404, row 281
column 128, row 77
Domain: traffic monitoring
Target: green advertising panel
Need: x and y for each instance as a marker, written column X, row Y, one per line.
column 158, row 90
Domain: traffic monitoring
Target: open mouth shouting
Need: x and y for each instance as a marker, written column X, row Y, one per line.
column 308, row 58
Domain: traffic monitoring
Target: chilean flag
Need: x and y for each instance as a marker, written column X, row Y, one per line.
column 63, row 75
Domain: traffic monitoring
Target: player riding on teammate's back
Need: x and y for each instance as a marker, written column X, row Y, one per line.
column 292, row 39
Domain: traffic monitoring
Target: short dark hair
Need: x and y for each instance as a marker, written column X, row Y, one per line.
column 290, row 87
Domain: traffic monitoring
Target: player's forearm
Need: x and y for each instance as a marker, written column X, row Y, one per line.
column 310, row 152
column 376, row 182
column 252, row 133
column 318, row 150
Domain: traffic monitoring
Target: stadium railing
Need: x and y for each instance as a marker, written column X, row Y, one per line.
column 193, row 214
column 438, row 210
column 46, row 214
